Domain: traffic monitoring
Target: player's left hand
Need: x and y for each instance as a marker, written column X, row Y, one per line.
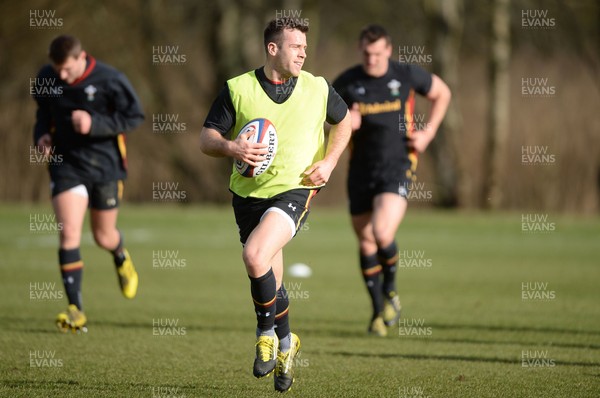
column 318, row 174
column 355, row 116
column 82, row 121
column 420, row 139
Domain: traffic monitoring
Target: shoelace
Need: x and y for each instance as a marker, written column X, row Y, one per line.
column 265, row 349
column 283, row 362
column 73, row 316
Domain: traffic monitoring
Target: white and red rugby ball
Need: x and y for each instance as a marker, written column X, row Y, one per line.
column 264, row 132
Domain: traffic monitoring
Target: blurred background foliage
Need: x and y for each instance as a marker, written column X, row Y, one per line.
column 220, row 39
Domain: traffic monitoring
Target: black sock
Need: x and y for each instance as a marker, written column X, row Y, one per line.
column 282, row 323
column 71, row 269
column 371, row 270
column 388, row 256
column 263, row 291
column 118, row 254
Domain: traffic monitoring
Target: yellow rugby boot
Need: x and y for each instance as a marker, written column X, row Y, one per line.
column 72, row 320
column 128, row 277
column 266, row 355
column 377, row 327
column 391, row 309
column 284, row 370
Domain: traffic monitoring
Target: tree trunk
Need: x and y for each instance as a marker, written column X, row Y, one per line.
column 445, row 35
column 498, row 122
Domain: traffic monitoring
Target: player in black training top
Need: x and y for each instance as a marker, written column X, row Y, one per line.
column 384, row 148
column 84, row 109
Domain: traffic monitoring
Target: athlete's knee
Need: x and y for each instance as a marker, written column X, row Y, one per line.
column 253, row 259
column 384, row 236
column 106, row 239
column 367, row 246
column 70, row 236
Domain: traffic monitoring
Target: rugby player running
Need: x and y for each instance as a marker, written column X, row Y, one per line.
column 270, row 208
column 380, row 94
column 84, row 109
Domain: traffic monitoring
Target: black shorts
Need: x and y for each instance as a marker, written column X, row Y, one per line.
column 294, row 204
column 362, row 189
column 102, row 195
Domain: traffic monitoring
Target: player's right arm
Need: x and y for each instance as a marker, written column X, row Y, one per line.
column 41, row 131
column 356, row 116
column 341, row 86
column 214, row 144
column 43, row 122
column 220, row 120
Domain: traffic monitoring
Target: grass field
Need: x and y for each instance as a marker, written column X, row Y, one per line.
column 467, row 331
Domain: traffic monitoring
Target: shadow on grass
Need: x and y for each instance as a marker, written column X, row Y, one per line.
column 518, row 343
column 495, row 328
column 63, row 387
column 117, row 388
column 350, row 331
column 189, row 327
column 18, row 324
column 451, row 358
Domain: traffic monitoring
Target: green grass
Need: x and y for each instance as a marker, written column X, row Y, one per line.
column 476, row 325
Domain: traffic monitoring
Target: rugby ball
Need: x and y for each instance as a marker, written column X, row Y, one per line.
column 264, row 132
column 299, row 270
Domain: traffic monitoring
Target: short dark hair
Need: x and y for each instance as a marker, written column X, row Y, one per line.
column 63, row 47
column 372, row 33
column 275, row 28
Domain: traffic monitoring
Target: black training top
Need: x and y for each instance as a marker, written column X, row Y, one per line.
column 221, row 116
column 106, row 94
column 379, row 146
